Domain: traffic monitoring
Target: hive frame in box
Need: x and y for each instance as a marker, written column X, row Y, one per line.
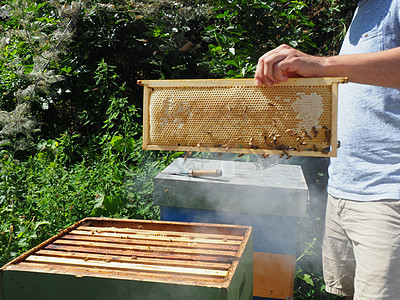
column 296, row 117
column 100, row 258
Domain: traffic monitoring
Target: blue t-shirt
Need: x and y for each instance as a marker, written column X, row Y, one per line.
column 367, row 166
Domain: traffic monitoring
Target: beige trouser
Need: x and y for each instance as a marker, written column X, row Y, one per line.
column 361, row 249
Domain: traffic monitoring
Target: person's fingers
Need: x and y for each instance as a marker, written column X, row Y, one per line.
column 271, row 67
column 260, row 77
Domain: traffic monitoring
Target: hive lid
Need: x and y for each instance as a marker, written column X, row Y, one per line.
column 153, row 251
column 244, row 187
column 297, row 117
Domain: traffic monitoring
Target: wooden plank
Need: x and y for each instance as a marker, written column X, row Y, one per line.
column 237, row 82
column 146, row 115
column 236, row 150
column 334, row 119
column 134, row 267
column 182, row 228
column 132, row 240
column 277, row 283
column 128, row 259
column 136, row 253
column 150, row 234
column 78, row 271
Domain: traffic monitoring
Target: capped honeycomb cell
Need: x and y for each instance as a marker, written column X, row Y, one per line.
column 297, row 117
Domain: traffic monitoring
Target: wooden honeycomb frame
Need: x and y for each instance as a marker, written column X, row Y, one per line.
column 297, row 117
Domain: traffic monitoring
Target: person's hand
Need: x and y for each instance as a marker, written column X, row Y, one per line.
column 283, row 62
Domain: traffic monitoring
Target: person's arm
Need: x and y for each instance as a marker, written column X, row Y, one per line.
column 378, row 68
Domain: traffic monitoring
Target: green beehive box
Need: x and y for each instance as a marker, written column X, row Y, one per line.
column 106, row 259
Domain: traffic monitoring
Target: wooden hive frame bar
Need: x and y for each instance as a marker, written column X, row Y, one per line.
column 297, row 117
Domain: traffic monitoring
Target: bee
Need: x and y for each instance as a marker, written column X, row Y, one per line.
column 240, row 155
column 265, row 155
column 338, row 144
column 328, row 136
column 315, row 148
column 288, row 130
column 207, row 132
column 270, row 104
column 315, row 131
column 166, row 190
column 285, row 152
column 187, row 155
column 238, row 138
column 245, row 109
column 274, row 123
column 229, row 108
column 324, row 152
column 307, row 135
column 288, row 157
column 251, row 141
column 198, row 145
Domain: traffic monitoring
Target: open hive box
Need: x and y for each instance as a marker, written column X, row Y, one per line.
column 297, row 117
column 131, row 259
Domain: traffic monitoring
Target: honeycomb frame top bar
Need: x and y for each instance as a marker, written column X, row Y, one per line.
column 296, row 117
column 237, row 82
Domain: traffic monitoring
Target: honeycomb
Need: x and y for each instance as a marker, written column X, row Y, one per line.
column 241, row 118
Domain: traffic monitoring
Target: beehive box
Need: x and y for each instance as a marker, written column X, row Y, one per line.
column 279, row 190
column 297, row 117
column 131, row 259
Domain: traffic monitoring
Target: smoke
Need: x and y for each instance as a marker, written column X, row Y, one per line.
column 282, row 199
